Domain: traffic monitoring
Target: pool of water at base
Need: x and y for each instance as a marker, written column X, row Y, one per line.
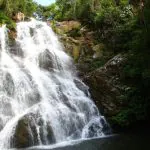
column 114, row 142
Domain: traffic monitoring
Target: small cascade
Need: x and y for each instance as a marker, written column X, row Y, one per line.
column 42, row 101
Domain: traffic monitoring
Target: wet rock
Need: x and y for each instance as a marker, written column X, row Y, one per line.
column 32, row 32
column 31, row 130
column 33, row 98
column 5, row 106
column 105, row 86
column 106, row 127
column 47, row 135
column 27, row 18
column 81, row 86
column 8, row 84
column 66, row 101
column 14, row 48
column 46, row 60
column 96, row 128
column 51, row 139
column 1, row 124
column 25, row 133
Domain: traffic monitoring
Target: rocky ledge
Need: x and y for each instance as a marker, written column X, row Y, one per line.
column 105, row 86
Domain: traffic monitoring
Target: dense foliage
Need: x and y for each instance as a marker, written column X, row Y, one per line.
column 137, row 71
column 8, row 8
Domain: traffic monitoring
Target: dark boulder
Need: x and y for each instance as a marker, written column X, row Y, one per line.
column 105, row 86
column 25, row 133
column 32, row 130
column 80, row 85
column 46, row 60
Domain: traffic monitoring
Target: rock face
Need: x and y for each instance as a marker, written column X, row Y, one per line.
column 66, row 26
column 23, row 134
column 82, row 45
column 105, row 86
column 46, row 60
column 104, row 82
column 78, row 41
column 31, row 130
column 19, row 17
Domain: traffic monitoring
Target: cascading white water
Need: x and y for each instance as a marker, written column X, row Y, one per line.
column 40, row 92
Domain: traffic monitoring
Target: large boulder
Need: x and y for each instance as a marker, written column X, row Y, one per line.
column 31, row 130
column 25, row 133
column 105, row 86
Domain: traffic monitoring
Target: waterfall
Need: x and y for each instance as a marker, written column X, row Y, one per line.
column 42, row 101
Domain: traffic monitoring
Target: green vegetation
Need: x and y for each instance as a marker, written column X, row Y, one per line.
column 10, row 7
column 137, row 71
column 48, row 11
column 6, row 20
column 123, row 27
